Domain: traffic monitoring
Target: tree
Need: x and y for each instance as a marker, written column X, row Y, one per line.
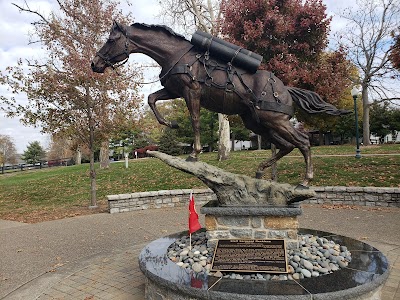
column 203, row 15
column 34, row 153
column 291, row 35
column 384, row 120
column 150, row 131
column 59, row 148
column 395, row 123
column 380, row 116
column 345, row 127
column 395, row 51
column 65, row 96
column 208, row 125
column 367, row 38
column 8, row 152
column 169, row 142
column 332, row 82
column 238, row 130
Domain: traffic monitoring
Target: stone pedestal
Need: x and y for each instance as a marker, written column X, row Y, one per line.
column 251, row 222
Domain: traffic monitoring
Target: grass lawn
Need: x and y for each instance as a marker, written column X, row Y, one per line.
column 59, row 192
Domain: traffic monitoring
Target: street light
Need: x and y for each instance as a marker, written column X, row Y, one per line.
column 354, row 93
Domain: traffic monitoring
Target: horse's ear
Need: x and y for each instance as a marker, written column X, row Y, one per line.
column 117, row 25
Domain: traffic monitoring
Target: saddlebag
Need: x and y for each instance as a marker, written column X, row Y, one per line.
column 226, row 51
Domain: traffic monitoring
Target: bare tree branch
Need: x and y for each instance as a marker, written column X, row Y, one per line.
column 368, row 39
column 27, row 9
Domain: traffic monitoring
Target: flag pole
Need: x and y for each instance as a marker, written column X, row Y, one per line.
column 190, row 233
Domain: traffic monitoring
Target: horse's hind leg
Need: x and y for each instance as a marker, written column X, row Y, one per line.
column 270, row 135
column 162, row 94
column 299, row 140
column 192, row 98
column 284, row 149
column 306, row 151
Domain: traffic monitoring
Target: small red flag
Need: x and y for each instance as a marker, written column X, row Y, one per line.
column 194, row 224
column 196, row 283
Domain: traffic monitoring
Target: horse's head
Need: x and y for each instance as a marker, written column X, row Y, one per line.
column 115, row 50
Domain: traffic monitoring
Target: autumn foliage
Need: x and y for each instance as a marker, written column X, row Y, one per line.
column 65, row 97
column 395, row 52
column 291, row 35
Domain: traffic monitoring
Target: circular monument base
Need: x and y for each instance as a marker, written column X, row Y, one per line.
column 362, row 279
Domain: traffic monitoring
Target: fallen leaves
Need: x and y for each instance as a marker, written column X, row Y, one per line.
column 356, row 207
column 48, row 214
column 339, row 206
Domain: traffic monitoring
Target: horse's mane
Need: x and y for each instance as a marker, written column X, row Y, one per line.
column 159, row 27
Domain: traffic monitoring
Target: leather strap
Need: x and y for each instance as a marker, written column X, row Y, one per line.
column 276, row 106
column 256, row 103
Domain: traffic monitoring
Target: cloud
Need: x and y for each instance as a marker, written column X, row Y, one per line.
column 20, row 134
column 335, row 8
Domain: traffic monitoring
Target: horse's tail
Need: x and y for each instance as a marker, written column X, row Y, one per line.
column 312, row 103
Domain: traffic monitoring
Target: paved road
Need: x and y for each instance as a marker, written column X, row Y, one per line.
column 82, row 256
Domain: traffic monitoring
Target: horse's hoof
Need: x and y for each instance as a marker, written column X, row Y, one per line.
column 259, row 174
column 191, row 158
column 174, row 125
column 301, row 187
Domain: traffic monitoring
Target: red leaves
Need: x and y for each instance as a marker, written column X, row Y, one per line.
column 395, row 51
column 291, row 36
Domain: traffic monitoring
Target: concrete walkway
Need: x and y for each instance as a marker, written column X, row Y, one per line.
column 95, row 256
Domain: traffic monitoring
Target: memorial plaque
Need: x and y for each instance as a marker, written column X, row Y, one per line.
column 250, row 256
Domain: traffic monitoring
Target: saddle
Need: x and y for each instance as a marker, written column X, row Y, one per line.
column 218, row 55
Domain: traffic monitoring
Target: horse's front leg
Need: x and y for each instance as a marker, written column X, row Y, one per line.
column 193, row 104
column 162, row 94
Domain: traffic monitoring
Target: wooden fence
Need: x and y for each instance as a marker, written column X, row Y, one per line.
column 38, row 165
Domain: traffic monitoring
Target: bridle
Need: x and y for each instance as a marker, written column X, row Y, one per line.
column 107, row 60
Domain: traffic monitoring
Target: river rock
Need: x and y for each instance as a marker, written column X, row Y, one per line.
column 311, row 260
column 314, row 274
column 307, row 265
column 196, row 267
column 306, row 273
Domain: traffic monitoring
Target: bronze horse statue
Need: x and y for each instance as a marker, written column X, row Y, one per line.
column 261, row 100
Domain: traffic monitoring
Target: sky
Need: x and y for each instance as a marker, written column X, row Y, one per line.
column 14, row 44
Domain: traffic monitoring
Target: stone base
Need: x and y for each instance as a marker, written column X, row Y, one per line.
column 251, row 222
column 361, row 280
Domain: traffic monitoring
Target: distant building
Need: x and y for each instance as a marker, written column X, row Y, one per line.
column 392, row 139
column 241, row 145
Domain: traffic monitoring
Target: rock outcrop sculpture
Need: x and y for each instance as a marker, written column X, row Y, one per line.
column 238, row 190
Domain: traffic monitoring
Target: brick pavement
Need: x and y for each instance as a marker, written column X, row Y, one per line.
column 105, row 278
column 119, row 278
column 116, row 275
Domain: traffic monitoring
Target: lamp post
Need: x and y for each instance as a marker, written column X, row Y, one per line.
column 354, row 93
